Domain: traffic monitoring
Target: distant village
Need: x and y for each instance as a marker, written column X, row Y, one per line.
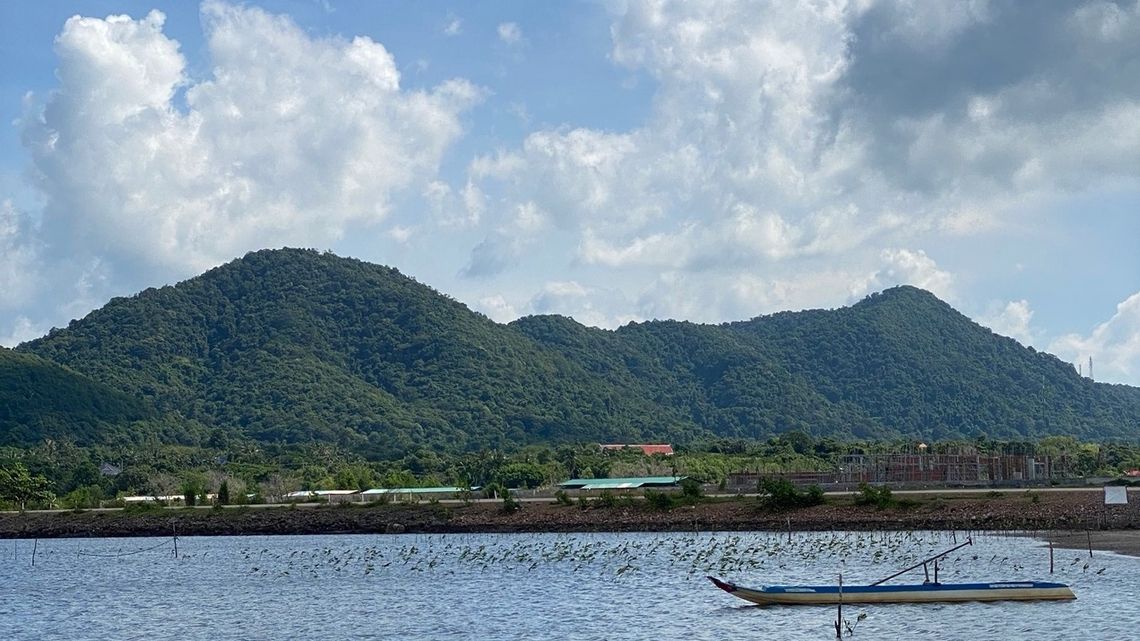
column 917, row 470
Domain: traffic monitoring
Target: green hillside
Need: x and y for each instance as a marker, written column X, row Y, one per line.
column 294, row 346
column 916, row 366
column 39, row 400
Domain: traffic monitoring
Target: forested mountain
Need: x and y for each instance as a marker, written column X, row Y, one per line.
column 40, row 399
column 915, row 365
column 296, row 345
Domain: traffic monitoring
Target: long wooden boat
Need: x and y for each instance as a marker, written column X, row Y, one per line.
column 920, row 593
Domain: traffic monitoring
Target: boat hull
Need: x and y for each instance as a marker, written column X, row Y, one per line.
column 925, row 593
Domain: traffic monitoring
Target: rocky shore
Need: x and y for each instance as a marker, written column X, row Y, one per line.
column 1030, row 511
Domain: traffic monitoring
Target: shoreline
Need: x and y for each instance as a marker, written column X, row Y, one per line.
column 1126, row 542
column 1060, row 517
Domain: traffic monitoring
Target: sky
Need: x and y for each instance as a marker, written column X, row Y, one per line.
column 609, row 161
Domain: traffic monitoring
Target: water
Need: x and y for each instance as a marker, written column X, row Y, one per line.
column 550, row 586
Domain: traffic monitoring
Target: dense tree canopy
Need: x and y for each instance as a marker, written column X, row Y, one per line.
column 295, row 346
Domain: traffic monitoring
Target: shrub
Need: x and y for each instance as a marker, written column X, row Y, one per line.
column 562, row 498
column 510, row 503
column 83, row 497
column 660, row 500
column 607, row 499
column 494, row 490
column 781, row 494
column 691, row 490
column 879, row 497
column 814, row 495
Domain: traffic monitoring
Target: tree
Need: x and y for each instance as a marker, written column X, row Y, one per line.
column 224, row 493
column 19, row 487
column 193, row 487
column 524, row 475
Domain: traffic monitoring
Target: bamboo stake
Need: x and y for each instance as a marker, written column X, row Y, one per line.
column 839, row 615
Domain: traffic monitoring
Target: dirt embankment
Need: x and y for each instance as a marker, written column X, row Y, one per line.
column 1042, row 510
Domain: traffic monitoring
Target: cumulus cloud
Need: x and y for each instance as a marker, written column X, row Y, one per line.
column 510, row 33
column 735, row 295
column 1014, row 320
column 783, row 135
column 1114, row 345
column 19, row 260
column 291, row 139
column 914, row 267
column 503, row 247
column 23, row 329
column 497, row 308
column 453, row 27
column 400, row 233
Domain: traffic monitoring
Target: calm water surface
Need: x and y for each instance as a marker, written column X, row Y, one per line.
column 546, row 586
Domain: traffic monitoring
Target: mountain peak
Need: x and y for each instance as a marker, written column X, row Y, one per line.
column 294, row 345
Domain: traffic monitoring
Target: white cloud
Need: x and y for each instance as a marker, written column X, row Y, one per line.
column 1014, row 320
column 401, row 234
column 454, row 26
column 781, row 136
column 291, row 140
column 1114, row 345
column 503, row 247
column 914, row 267
column 19, row 259
column 497, row 308
column 510, row 33
column 23, row 329
column 590, row 306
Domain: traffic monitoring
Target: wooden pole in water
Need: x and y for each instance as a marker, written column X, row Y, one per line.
column 1050, row 556
column 839, row 616
column 35, row 545
column 789, row 529
column 1089, row 533
column 174, row 529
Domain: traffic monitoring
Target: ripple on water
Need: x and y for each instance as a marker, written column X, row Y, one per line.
column 547, row 586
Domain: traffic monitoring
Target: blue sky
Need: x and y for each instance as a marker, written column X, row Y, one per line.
column 611, row 161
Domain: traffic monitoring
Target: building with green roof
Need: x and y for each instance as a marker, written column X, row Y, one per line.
column 628, row 483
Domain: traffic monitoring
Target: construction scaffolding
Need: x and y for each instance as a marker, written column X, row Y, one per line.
column 944, row 468
column 967, row 469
